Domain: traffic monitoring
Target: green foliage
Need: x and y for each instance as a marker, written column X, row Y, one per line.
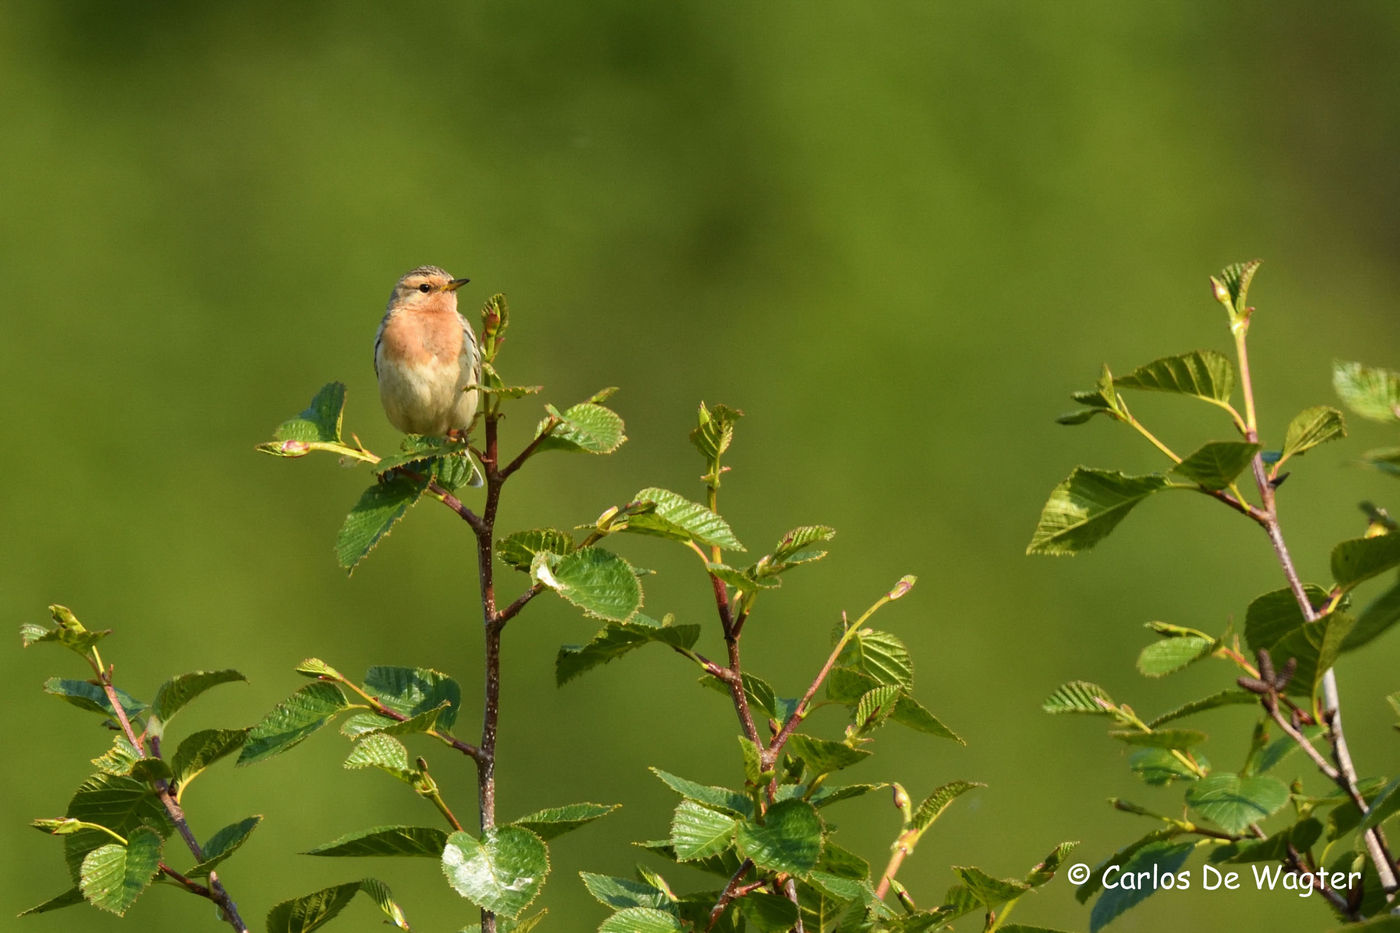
column 1294, row 636
column 292, row 721
column 113, row 876
column 313, row 911
column 502, row 872
column 584, row 428
column 599, row 582
column 379, row 508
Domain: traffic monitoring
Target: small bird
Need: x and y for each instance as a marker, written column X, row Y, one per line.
column 426, row 355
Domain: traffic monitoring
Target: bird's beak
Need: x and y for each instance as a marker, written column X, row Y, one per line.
column 455, row 284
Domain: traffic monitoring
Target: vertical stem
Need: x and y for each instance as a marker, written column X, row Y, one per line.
column 491, row 631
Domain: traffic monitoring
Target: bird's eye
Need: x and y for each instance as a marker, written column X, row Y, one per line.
column 425, row 288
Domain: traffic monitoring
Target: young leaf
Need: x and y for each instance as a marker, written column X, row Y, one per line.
column 320, row 422
column 1369, row 391
column 789, row 840
column 1233, row 802
column 990, row 892
column 1275, row 614
column 292, row 720
column 519, row 550
column 1157, row 858
column 388, row 754
column 795, row 547
column 879, row 655
column 1158, row 766
column 1310, row 427
column 374, row 516
column 584, row 428
column 1089, row 504
column 1078, row 696
column 313, row 911
column 599, row 582
column 679, row 519
column 1232, row 286
column 501, row 872
column 715, row 430
column 875, row 707
column 935, row 803
column 67, row 631
column 1216, row 464
column 1361, row 559
column 66, row 899
column 178, row 691
column 113, row 876
column 556, row 821
column 912, row 714
column 223, row 844
column 1160, row 738
column 618, row 638
column 411, row 691
column 386, row 841
column 699, row 832
column 1205, row 374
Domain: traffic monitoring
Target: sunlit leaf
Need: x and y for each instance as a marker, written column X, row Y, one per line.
column 1089, row 504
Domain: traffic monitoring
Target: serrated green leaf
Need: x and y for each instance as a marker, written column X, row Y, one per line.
column 1233, row 802
column 1311, row 427
column 1048, row 866
column 599, row 582
column 555, row 821
column 1078, row 696
column 412, row 691
column 1361, row 559
column 113, row 876
column 519, row 550
column 1383, row 806
column 223, row 844
column 720, row 798
column 424, row 841
column 1172, row 654
column 641, row 920
column 315, row 667
column 388, row 754
column 1301, row 835
column 374, row 516
column 875, row 707
column 1160, row 738
column 615, row 892
column 1216, row 464
column 422, row 453
column 66, row 899
column 879, row 655
column 176, row 692
column 822, row 756
column 583, row 428
column 501, row 872
column 1369, row 391
column 617, row 639
column 789, row 840
column 313, row 911
column 1089, row 504
column 679, row 519
column 699, row 832
column 320, row 422
column 201, row 749
column 1205, row 374
column 121, row 804
column 89, row 696
column 1157, row 858
column 935, row 803
column 826, row 795
column 119, row 758
column 292, row 721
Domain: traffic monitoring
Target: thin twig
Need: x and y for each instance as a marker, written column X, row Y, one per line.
column 730, row 892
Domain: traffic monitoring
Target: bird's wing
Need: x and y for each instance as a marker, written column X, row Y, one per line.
column 471, row 352
column 379, row 339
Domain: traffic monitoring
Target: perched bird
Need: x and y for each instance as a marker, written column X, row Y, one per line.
column 426, row 355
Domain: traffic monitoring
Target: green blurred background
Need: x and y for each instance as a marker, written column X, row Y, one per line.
column 896, row 235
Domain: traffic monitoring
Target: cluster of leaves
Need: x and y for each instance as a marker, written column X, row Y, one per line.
column 120, row 819
column 769, row 838
column 1291, row 639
